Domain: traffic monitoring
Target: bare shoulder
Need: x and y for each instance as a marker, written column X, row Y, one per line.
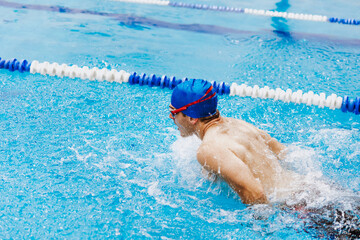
column 221, row 142
column 257, row 133
column 218, row 152
column 210, row 154
column 207, row 152
column 222, row 161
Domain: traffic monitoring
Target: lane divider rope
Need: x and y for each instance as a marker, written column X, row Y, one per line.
column 298, row 16
column 346, row 104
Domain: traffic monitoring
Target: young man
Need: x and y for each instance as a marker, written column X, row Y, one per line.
column 247, row 158
column 243, row 155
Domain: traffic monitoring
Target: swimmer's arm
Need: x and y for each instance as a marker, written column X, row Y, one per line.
column 235, row 172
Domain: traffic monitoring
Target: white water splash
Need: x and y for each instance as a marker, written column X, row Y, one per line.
column 308, row 185
column 184, row 156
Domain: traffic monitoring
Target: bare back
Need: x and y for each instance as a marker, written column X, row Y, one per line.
column 240, row 146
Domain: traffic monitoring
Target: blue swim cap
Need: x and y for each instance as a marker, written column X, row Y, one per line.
column 197, row 96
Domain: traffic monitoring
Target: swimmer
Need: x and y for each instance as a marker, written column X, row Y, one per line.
column 246, row 157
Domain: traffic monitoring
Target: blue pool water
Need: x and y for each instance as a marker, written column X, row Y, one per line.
column 82, row 159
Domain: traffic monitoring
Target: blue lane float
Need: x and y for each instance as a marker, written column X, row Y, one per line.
column 346, row 104
column 298, row 16
column 13, row 65
column 171, row 82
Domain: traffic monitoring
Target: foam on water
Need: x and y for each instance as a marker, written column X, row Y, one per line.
column 324, row 204
column 184, row 154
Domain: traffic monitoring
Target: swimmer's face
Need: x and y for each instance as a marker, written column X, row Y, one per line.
column 182, row 122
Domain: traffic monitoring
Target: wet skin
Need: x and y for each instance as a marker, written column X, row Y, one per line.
column 243, row 155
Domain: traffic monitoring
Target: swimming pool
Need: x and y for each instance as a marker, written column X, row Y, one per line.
column 87, row 159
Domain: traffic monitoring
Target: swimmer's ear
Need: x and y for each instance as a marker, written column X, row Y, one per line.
column 193, row 120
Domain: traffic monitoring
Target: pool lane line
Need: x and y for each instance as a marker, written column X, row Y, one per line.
column 129, row 20
column 268, row 13
column 346, row 104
